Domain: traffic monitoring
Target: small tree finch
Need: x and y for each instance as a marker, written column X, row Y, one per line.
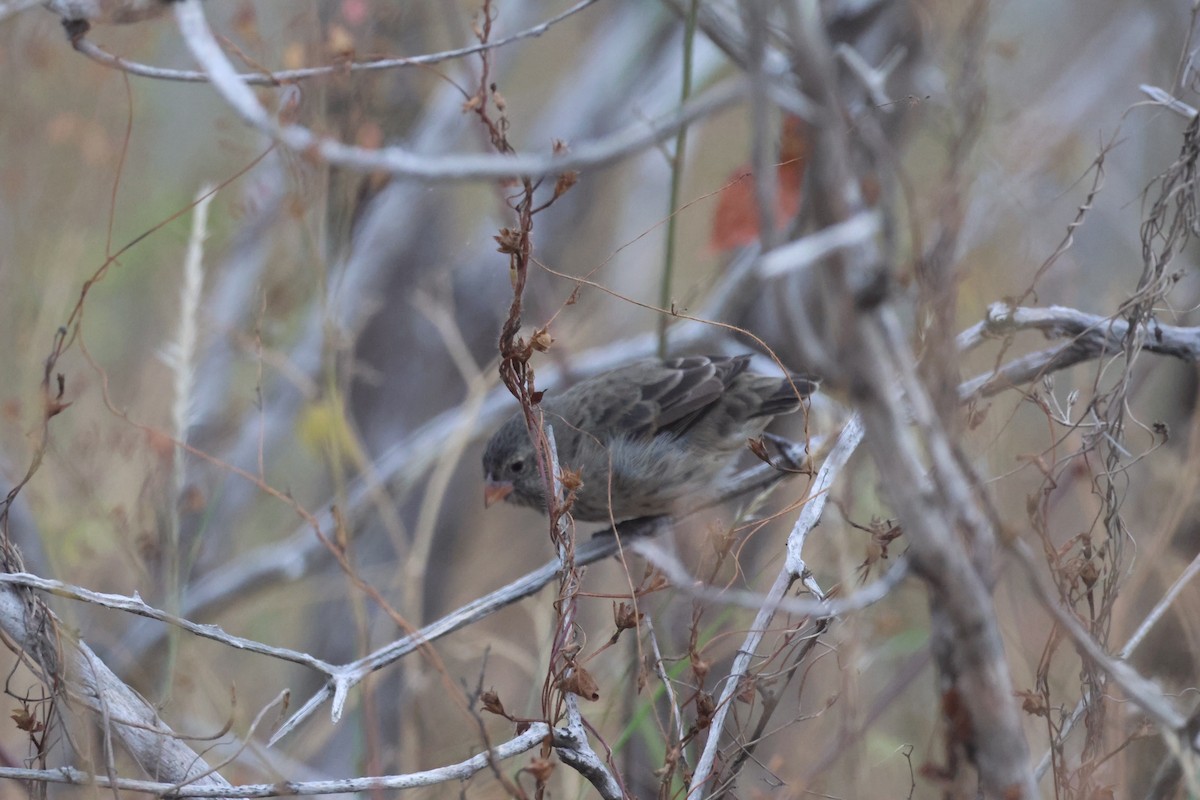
column 646, row 439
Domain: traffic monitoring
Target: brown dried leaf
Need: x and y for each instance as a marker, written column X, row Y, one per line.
column 759, row 448
column 509, row 240
column 1089, row 573
column 491, row 703
column 581, row 682
column 25, row 720
column 565, row 182
column 1032, row 703
column 625, row 616
column 706, row 706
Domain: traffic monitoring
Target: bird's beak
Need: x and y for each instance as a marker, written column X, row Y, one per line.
column 494, row 491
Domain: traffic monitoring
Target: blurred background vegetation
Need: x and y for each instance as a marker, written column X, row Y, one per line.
column 341, row 313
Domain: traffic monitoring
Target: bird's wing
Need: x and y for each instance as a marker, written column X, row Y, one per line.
column 784, row 396
column 654, row 398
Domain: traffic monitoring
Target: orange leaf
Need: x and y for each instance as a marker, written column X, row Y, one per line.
column 735, row 222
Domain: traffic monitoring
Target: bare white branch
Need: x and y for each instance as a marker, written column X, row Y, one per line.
column 675, row 572
column 874, row 80
column 1091, row 336
column 106, row 11
column 400, row 162
column 135, row 605
column 453, row 772
column 808, row 250
column 1164, row 98
column 88, row 680
column 96, row 53
column 571, row 745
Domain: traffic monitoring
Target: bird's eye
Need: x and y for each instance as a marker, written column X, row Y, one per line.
column 517, row 466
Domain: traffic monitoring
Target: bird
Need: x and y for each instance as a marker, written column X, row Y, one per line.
column 645, row 438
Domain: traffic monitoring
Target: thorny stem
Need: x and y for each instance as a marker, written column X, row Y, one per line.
column 518, row 377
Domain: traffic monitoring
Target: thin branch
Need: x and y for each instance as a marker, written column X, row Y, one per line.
column 847, row 443
column 571, row 745
column 678, row 161
column 1095, row 333
column 1127, row 650
column 97, row 54
column 1091, row 336
column 754, row 15
column 661, row 671
column 808, row 250
column 602, row 545
column 400, row 162
column 135, row 605
column 1164, row 98
column 1141, row 691
column 453, row 772
column 674, row 570
column 88, row 680
column 874, row 80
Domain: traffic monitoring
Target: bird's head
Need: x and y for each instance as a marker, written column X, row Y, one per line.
column 510, row 467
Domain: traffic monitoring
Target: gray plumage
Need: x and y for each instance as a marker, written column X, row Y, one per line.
column 649, row 438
